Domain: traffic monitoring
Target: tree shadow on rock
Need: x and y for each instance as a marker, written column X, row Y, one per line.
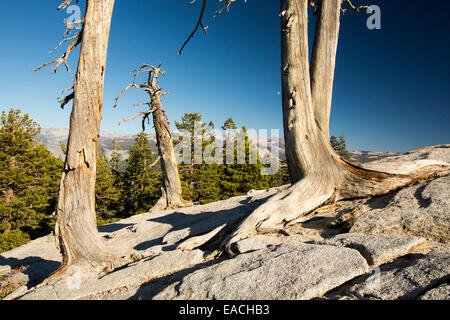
column 113, row 227
column 36, row 268
column 149, row 290
column 380, row 202
column 202, row 223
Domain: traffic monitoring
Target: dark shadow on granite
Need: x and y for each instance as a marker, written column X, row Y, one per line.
column 36, row 268
column 203, row 222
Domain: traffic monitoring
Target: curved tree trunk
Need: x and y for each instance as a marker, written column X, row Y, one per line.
column 323, row 61
column 318, row 175
column 171, row 197
column 76, row 228
column 171, row 191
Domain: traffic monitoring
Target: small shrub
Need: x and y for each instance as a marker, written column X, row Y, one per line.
column 13, row 239
column 102, row 222
column 347, row 225
column 6, row 291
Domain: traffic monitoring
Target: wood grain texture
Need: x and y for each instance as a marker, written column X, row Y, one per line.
column 171, row 197
column 76, row 227
column 318, row 174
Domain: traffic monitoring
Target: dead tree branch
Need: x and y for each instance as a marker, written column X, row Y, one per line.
column 155, row 163
column 226, row 5
column 72, row 25
column 144, row 113
column 65, row 100
column 63, row 59
column 352, row 6
column 151, row 87
column 76, row 40
column 312, row 4
column 65, row 40
column 199, row 24
column 132, row 85
column 65, row 4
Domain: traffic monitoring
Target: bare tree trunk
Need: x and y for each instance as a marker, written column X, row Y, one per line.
column 76, row 228
column 171, row 197
column 317, row 173
column 323, row 61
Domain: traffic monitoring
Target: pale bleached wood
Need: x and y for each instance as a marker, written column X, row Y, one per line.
column 323, row 61
column 197, row 241
column 171, row 197
column 76, row 228
column 171, row 192
column 318, row 175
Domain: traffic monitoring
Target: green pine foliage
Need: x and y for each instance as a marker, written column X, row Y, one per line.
column 206, row 177
column 115, row 162
column 63, row 147
column 30, row 176
column 229, row 125
column 12, row 239
column 29, row 181
column 239, row 178
column 200, row 182
column 209, row 182
column 253, row 179
column 340, row 147
column 206, row 182
column 107, row 195
column 281, row 177
column 188, row 122
column 142, row 184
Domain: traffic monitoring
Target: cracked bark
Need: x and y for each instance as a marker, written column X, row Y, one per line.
column 171, row 197
column 318, row 175
column 76, row 228
column 171, row 192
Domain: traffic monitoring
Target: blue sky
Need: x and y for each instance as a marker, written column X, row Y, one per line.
column 391, row 85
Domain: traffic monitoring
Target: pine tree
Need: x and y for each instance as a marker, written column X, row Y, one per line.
column 252, row 179
column 335, row 143
column 188, row 123
column 200, row 181
column 343, row 148
column 29, row 183
column 115, row 162
column 63, row 147
column 230, row 175
column 206, row 176
column 242, row 176
column 141, row 182
column 107, row 195
column 192, row 124
column 340, row 147
column 229, row 125
column 280, row 178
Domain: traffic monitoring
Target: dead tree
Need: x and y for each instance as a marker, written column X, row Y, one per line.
column 76, row 229
column 318, row 175
column 171, row 197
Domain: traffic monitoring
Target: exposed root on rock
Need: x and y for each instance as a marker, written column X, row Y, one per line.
column 315, row 190
column 168, row 203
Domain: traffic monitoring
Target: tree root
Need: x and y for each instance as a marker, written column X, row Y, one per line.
column 164, row 203
column 68, row 270
column 316, row 190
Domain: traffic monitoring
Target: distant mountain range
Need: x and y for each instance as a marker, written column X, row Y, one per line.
column 51, row 138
